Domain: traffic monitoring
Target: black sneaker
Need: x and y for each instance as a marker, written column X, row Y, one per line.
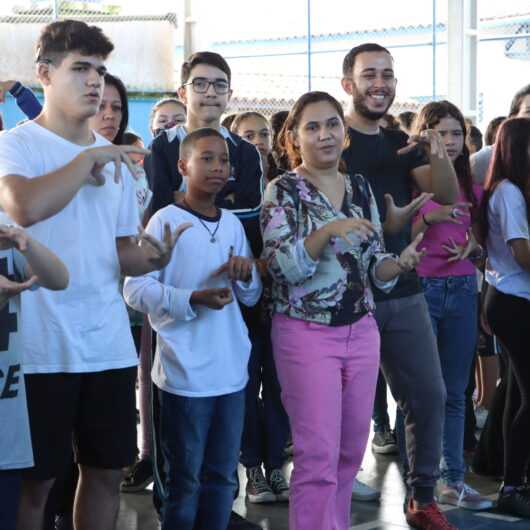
column 139, row 477
column 384, row 442
column 258, row 490
column 515, row 502
column 278, row 484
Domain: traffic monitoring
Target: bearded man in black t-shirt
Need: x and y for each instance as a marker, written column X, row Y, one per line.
column 397, row 167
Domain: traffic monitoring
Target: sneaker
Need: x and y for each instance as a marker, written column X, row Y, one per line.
column 384, row 443
column 364, row 493
column 515, row 502
column 239, row 523
column 428, row 518
column 139, row 476
column 278, row 484
column 463, row 496
column 258, row 491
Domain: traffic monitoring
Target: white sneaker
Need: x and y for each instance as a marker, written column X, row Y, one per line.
column 364, row 493
column 463, row 496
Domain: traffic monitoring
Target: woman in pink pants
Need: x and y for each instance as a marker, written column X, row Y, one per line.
column 324, row 246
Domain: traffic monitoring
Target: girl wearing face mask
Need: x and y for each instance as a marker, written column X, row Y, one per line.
column 166, row 113
column 323, row 246
column 449, row 281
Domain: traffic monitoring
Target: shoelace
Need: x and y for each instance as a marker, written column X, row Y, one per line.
column 258, row 479
column 277, row 479
column 464, row 491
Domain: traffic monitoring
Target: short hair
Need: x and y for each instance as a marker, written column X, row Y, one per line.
column 517, row 100
column 65, row 36
column 209, row 58
column 406, row 119
column 117, row 83
column 130, row 138
column 187, row 145
column 491, row 130
column 242, row 116
column 349, row 60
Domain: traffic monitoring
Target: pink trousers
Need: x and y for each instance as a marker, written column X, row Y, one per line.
column 328, row 377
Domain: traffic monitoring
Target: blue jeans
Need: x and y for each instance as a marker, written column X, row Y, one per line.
column 266, row 422
column 452, row 304
column 10, row 482
column 200, row 440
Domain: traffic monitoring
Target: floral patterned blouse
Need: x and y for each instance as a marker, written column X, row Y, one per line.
column 335, row 289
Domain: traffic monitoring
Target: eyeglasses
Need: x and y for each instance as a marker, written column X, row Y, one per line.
column 201, row 85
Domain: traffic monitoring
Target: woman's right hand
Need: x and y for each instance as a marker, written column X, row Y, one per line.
column 449, row 213
column 342, row 228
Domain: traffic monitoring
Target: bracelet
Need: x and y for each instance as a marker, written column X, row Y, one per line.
column 425, row 220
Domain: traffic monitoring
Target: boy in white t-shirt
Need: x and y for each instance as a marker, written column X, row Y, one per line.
column 73, row 188
column 23, row 262
column 203, row 346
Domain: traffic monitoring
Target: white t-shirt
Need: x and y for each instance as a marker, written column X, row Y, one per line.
column 15, row 439
column 201, row 352
column 84, row 328
column 508, row 220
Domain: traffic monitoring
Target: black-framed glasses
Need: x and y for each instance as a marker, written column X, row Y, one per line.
column 201, row 85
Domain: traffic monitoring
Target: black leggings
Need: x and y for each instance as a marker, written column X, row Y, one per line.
column 509, row 318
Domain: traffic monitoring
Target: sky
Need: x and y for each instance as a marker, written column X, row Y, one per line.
column 247, row 19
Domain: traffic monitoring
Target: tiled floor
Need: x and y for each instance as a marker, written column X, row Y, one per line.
column 381, row 471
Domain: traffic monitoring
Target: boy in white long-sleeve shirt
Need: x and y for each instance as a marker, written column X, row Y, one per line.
column 203, row 346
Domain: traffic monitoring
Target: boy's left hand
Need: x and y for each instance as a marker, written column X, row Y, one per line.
column 9, row 288
column 238, row 268
column 159, row 252
column 13, row 237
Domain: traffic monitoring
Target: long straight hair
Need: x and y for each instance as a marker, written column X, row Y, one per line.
column 510, row 161
column 430, row 116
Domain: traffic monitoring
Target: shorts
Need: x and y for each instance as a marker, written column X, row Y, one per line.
column 94, row 412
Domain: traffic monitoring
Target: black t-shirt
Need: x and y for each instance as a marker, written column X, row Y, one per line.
column 375, row 157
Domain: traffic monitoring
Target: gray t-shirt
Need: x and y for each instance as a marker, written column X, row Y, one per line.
column 508, row 220
column 15, row 439
column 480, row 162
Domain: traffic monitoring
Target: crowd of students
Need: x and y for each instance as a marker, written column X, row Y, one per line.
column 278, row 276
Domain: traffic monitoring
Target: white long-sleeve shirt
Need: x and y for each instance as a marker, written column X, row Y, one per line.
column 200, row 352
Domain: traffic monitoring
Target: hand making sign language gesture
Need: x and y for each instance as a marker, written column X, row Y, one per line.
column 99, row 157
column 158, row 253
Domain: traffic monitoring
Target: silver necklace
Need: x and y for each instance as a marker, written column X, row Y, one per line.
column 212, row 234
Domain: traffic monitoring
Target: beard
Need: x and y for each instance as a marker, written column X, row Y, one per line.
column 361, row 108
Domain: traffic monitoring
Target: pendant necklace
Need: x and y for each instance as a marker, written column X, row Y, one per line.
column 212, row 234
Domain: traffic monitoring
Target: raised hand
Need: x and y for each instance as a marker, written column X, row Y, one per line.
column 345, row 228
column 212, row 298
column 13, row 237
column 117, row 154
column 5, row 86
column 429, row 140
column 449, row 213
column 410, row 256
column 397, row 217
column 159, row 252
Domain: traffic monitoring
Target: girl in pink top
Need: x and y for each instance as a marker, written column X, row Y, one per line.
column 449, row 281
